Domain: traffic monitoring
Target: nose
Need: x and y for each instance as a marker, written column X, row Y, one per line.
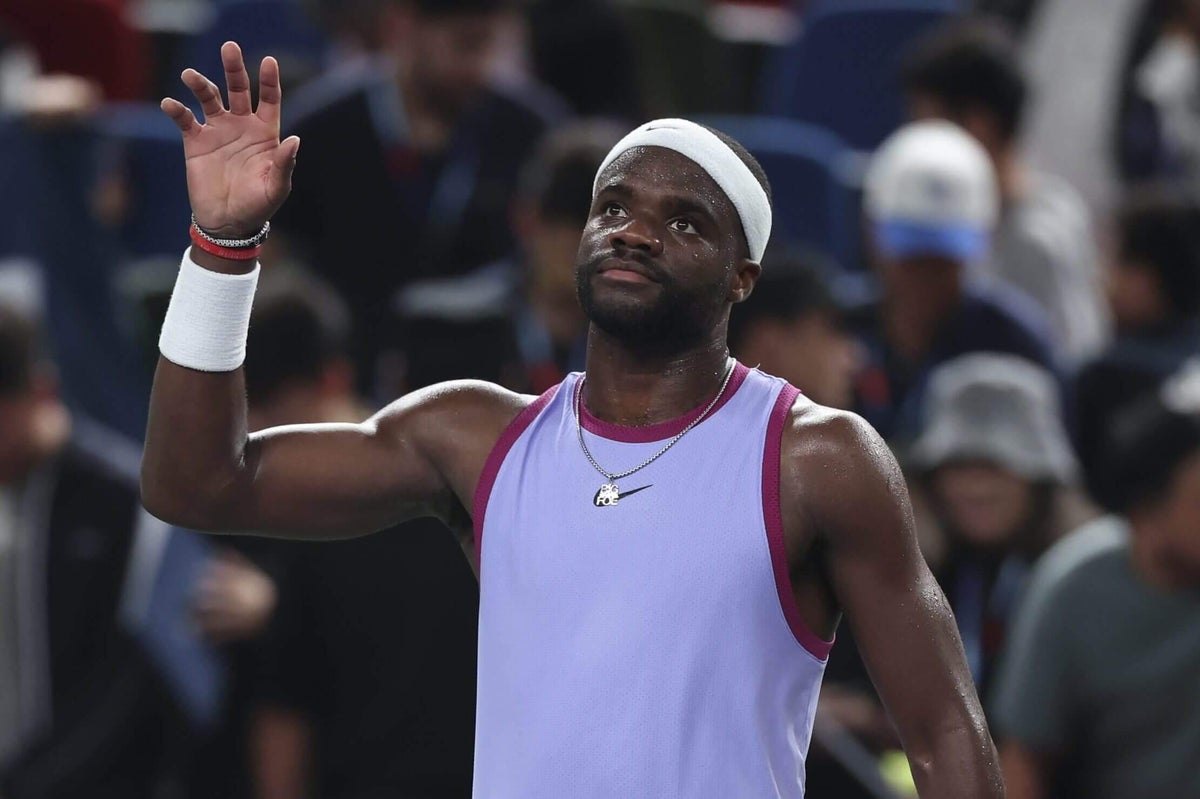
column 635, row 235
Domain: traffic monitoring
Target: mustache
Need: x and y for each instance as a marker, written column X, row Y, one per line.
column 647, row 263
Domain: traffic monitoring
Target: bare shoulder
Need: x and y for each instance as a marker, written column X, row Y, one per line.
column 840, row 468
column 831, row 438
column 457, row 410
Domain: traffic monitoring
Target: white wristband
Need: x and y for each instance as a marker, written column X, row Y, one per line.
column 208, row 318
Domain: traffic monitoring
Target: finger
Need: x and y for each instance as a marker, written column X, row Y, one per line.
column 206, row 92
column 181, row 115
column 270, row 91
column 237, row 80
column 284, row 163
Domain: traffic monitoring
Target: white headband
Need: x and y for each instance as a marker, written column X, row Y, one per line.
column 716, row 158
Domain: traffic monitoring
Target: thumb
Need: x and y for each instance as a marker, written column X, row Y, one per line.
column 284, row 161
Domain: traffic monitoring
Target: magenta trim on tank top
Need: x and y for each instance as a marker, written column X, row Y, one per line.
column 773, row 516
column 495, row 458
column 663, row 430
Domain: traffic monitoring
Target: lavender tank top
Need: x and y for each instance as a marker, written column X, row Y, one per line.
column 650, row 648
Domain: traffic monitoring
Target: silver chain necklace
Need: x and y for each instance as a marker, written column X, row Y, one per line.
column 609, row 494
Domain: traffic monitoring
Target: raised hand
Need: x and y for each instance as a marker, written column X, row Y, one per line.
column 238, row 172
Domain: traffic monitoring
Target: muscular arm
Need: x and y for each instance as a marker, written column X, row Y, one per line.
column 419, row 456
column 853, row 497
column 202, row 469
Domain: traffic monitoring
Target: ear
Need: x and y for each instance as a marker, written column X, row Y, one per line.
column 744, row 280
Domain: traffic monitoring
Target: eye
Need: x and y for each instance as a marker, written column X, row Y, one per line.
column 613, row 209
column 682, row 226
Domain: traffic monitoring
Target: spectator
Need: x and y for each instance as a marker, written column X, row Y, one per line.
column 1159, row 126
column 83, row 715
column 968, row 72
column 585, row 51
column 996, row 464
column 553, row 200
column 1154, row 292
column 1074, row 53
column 90, row 39
column 792, row 327
column 407, row 178
column 367, row 678
column 1097, row 694
column 931, row 203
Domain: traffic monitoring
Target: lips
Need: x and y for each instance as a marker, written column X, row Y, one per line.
column 626, row 269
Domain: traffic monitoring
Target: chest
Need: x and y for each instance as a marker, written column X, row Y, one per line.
column 559, row 532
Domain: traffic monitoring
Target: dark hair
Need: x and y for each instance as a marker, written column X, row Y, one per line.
column 557, row 179
column 297, row 328
column 1144, row 447
column 1160, row 227
column 18, row 350
column 791, row 287
column 969, row 64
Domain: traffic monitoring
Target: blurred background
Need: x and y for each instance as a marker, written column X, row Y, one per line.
column 986, row 241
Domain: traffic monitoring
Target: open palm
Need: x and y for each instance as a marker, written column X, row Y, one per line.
column 238, row 172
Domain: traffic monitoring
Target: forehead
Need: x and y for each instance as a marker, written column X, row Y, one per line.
column 660, row 170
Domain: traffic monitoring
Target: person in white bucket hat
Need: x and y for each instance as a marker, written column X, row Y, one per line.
column 997, row 468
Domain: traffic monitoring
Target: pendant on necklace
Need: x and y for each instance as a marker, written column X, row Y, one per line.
column 608, row 496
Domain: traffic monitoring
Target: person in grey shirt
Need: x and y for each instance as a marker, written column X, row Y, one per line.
column 968, row 72
column 1098, row 694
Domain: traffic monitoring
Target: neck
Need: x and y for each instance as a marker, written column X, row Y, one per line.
column 1011, row 178
column 427, row 129
column 637, row 386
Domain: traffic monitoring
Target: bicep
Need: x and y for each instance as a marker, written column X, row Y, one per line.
column 420, row 456
column 898, row 614
column 335, row 480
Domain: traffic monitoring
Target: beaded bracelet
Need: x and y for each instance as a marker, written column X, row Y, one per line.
column 233, row 244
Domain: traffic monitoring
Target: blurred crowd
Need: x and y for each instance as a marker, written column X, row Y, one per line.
column 986, row 241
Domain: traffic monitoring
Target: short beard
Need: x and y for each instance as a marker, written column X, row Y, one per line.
column 674, row 320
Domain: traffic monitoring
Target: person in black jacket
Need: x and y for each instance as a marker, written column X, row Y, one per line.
column 366, row 684
column 82, row 714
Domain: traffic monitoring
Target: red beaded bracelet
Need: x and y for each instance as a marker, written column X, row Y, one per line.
column 242, row 254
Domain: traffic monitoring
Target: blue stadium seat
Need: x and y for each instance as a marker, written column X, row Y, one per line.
column 279, row 28
column 22, row 190
column 151, row 152
column 842, row 71
column 813, row 204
